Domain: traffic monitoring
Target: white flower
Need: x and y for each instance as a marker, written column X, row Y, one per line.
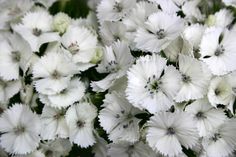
column 100, row 147
column 11, row 10
column 176, row 47
column 195, row 79
column 169, row 6
column 56, row 148
column 36, row 32
column 222, row 18
column 221, row 92
column 137, row 18
column 53, row 123
column 151, row 84
column 168, row 131
column 74, row 92
column 33, row 154
column 15, row 54
column 193, row 34
column 8, row 89
column 191, row 11
column 52, row 73
column 81, row 42
column 217, row 50
column 20, row 129
column 9, row 66
column 79, row 118
column 222, row 142
column 61, row 21
column 118, row 118
column 230, row 2
column 117, row 59
column 126, row 149
column 206, row 117
column 114, row 10
column 112, row 31
column 160, row 29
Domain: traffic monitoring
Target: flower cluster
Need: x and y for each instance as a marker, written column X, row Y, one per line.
column 135, row 78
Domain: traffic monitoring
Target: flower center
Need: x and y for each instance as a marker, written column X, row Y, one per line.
column 216, row 137
column 74, row 47
column 219, row 51
column 217, row 91
column 160, row 34
column 152, row 85
column 16, row 56
column 200, row 115
column 170, row 131
column 59, row 115
column 80, row 124
column 185, row 78
column 37, row 32
column 117, row 7
column 49, row 153
column 112, row 67
column 19, row 130
column 130, row 150
column 56, row 75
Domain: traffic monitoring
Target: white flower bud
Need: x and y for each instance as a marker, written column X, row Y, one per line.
column 97, row 56
column 211, row 20
column 60, row 22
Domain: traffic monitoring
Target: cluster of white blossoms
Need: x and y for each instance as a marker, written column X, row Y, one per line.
column 135, row 78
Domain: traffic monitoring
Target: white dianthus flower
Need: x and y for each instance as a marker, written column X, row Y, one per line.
column 217, row 50
column 195, row 79
column 222, row 91
column 221, row 142
column 8, row 89
column 206, row 117
column 114, row 10
column 79, row 118
column 160, row 29
column 112, row 31
column 127, row 149
column 52, row 73
column 176, row 47
column 20, row 129
column 116, row 60
column 53, row 123
column 118, row 119
column 169, row 6
column 230, row 2
column 11, row 10
column 137, row 18
column 193, row 34
column 81, row 43
column 73, row 93
column 56, row 148
column 36, row 32
column 222, row 18
column 167, row 132
column 33, row 154
column 151, row 84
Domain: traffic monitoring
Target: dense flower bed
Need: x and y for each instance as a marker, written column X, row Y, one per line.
column 117, row 78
